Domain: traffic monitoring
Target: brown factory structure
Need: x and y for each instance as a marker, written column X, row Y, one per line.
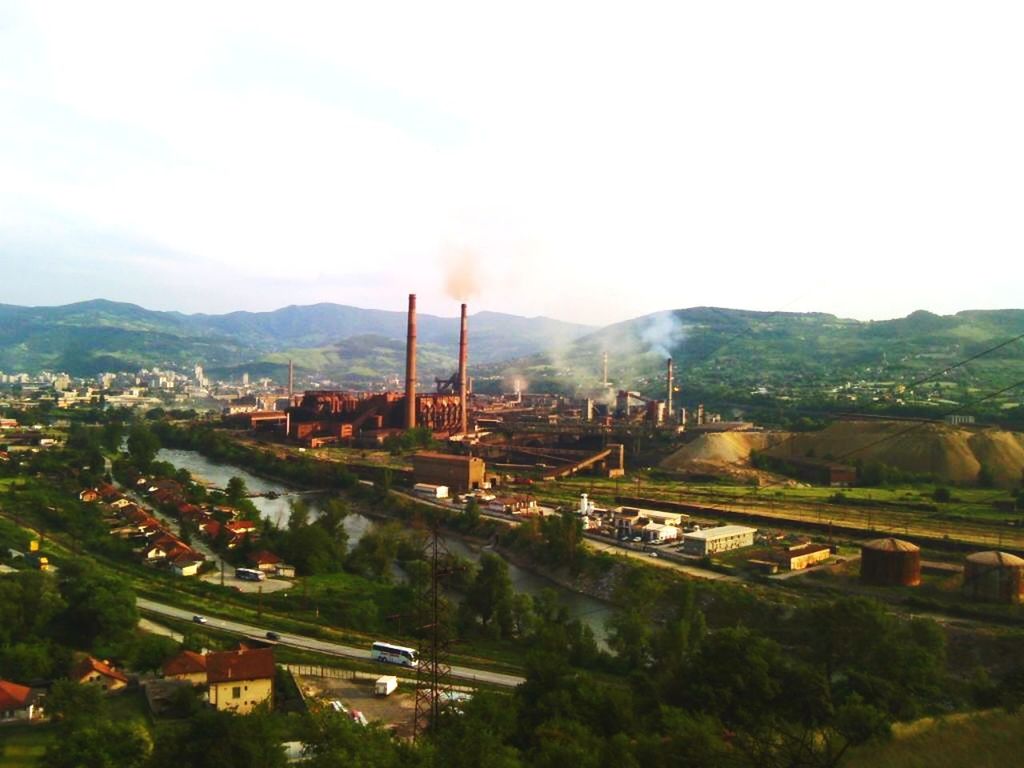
column 459, row 473
column 329, row 416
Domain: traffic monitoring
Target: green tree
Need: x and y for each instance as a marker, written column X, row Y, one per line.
column 100, row 744
column 100, row 609
column 214, row 739
column 332, row 739
column 490, row 595
column 69, row 702
column 143, row 445
column 235, row 491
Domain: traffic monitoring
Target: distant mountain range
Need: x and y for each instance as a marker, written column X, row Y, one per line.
column 715, row 350
column 718, row 350
column 94, row 336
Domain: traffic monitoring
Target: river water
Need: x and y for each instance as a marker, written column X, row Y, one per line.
column 592, row 612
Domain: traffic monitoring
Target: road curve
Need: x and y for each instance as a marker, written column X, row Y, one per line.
column 320, row 646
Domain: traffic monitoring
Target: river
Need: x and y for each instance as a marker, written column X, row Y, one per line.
column 591, row 612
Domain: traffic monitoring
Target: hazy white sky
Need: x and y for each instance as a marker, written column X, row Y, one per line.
column 591, row 161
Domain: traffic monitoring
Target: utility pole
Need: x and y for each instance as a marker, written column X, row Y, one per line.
column 433, row 670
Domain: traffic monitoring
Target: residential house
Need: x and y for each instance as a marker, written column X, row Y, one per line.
column 99, row 673
column 17, row 703
column 238, row 530
column 187, row 665
column 265, row 561
column 187, row 563
column 240, row 680
column 89, row 495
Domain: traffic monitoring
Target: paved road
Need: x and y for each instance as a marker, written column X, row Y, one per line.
column 320, row 646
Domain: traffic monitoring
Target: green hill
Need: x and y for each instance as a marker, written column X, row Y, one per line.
column 729, row 355
column 93, row 336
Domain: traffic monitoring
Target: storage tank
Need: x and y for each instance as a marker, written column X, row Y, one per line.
column 890, row 563
column 995, row 577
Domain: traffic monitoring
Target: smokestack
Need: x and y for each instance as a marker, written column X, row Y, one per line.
column 668, row 400
column 291, row 381
column 605, row 380
column 463, row 357
column 410, row 366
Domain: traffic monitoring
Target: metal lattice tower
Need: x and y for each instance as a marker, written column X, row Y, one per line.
column 433, row 671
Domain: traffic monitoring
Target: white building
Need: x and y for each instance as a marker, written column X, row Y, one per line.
column 721, row 539
column 656, row 533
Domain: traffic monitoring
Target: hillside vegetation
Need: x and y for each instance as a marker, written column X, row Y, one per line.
column 94, row 336
column 754, row 360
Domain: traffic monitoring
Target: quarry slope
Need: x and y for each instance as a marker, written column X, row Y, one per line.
column 950, row 454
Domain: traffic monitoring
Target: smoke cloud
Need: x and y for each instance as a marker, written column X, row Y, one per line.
column 663, row 332
column 461, row 266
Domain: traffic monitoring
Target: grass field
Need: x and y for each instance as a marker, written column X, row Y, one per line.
column 23, row 746
column 981, row 740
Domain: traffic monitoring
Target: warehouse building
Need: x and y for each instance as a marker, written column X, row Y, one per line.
column 720, row 539
column 459, row 473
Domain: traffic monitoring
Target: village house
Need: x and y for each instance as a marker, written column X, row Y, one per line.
column 265, row 561
column 90, row 671
column 240, row 680
column 187, row 563
column 187, row 665
column 18, row 703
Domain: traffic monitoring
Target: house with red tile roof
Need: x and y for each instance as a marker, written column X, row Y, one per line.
column 240, row 680
column 265, row 561
column 187, row 665
column 17, row 703
column 187, row 563
column 95, row 672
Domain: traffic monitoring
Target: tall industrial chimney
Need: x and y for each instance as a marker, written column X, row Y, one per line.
column 463, row 357
column 668, row 400
column 291, row 381
column 410, row 366
column 605, row 380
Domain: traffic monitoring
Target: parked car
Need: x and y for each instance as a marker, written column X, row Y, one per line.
column 199, row 619
column 273, row 636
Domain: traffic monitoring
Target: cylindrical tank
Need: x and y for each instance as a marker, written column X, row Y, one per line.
column 890, row 563
column 995, row 577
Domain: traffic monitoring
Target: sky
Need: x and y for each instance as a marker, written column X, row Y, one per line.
column 586, row 161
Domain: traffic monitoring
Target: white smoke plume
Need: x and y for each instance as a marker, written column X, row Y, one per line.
column 461, row 266
column 663, row 332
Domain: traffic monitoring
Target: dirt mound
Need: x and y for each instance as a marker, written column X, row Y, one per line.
column 720, row 448
column 950, row 454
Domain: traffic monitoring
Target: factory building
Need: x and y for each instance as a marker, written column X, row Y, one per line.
column 994, row 577
column 326, row 416
column 890, row 563
column 721, row 539
column 459, row 473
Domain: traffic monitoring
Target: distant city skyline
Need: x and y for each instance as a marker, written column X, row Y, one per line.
column 588, row 165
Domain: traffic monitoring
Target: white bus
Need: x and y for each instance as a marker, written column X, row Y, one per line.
column 393, row 654
column 249, row 574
